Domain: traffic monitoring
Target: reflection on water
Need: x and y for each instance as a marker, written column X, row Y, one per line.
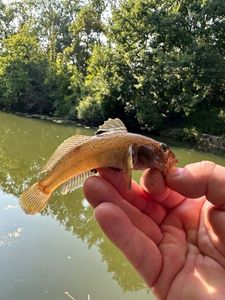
column 25, row 145
column 16, row 233
column 9, row 206
column 7, row 239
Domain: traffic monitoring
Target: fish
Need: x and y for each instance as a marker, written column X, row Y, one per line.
column 80, row 156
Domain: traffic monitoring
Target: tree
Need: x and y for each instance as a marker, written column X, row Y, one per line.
column 65, row 86
column 169, row 55
column 108, row 84
column 23, row 69
column 144, row 60
column 86, row 32
column 7, row 16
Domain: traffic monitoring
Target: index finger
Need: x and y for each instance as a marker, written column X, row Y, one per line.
column 136, row 195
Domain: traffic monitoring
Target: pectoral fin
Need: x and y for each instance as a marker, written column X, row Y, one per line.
column 129, row 167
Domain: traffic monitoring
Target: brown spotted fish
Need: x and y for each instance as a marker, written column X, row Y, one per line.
column 79, row 156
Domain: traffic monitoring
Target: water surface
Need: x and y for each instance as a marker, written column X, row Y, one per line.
column 62, row 249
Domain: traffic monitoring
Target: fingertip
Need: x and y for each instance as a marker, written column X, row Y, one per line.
column 96, row 190
column 90, row 186
column 153, row 183
column 113, row 221
column 108, row 213
column 102, row 212
column 116, row 177
column 152, row 180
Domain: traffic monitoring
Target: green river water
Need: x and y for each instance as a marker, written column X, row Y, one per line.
column 61, row 250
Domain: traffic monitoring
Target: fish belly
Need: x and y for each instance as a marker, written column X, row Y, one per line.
column 79, row 163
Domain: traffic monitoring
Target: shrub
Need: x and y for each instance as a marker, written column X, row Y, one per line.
column 90, row 111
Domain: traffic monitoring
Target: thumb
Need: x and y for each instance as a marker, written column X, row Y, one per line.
column 199, row 179
column 203, row 179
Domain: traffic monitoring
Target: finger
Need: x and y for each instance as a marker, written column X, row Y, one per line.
column 136, row 195
column 153, row 183
column 117, row 178
column 140, row 250
column 217, row 221
column 199, row 179
column 216, row 230
column 97, row 190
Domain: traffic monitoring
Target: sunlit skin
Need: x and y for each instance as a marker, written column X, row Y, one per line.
column 172, row 230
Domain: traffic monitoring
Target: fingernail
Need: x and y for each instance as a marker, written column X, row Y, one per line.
column 176, row 172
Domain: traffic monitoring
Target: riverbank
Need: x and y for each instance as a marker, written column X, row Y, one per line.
column 189, row 136
column 201, row 141
column 52, row 119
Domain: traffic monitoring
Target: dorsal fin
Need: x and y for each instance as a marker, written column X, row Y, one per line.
column 111, row 125
column 63, row 149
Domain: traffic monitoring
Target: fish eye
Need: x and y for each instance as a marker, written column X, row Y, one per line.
column 164, row 147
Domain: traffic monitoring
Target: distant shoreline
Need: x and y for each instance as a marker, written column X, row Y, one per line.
column 204, row 142
column 56, row 120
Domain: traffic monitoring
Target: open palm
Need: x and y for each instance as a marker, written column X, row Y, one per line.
column 172, row 231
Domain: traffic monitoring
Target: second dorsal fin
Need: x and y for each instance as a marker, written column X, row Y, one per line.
column 111, row 125
column 63, row 149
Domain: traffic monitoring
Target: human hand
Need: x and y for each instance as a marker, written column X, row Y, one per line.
column 172, row 230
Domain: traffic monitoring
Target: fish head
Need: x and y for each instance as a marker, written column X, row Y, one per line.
column 168, row 157
column 153, row 155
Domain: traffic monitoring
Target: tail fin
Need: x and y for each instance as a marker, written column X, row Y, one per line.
column 34, row 200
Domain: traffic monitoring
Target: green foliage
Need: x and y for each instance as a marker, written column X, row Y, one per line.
column 207, row 120
column 174, row 52
column 90, row 111
column 22, row 74
column 190, row 135
column 104, row 81
column 85, row 33
column 146, row 61
column 65, row 83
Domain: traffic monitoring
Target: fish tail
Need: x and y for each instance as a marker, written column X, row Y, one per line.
column 34, row 199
